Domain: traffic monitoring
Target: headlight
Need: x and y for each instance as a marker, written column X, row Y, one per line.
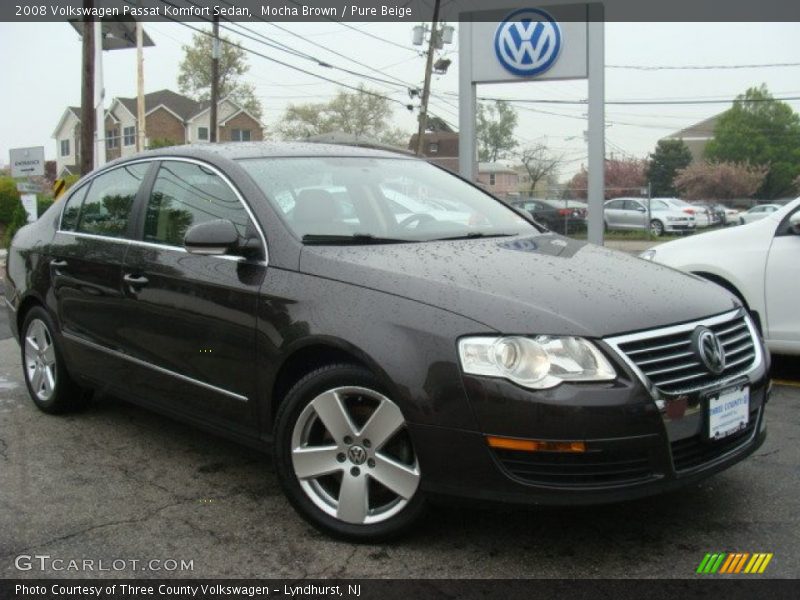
column 537, row 363
column 648, row 254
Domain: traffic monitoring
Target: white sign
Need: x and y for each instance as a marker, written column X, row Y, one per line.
column 29, row 204
column 27, row 162
column 529, row 44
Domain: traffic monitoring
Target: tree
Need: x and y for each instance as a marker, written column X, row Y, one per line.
column 760, row 130
column 669, row 157
column 495, row 130
column 623, row 176
column 194, row 76
column 363, row 113
column 720, row 181
column 539, row 164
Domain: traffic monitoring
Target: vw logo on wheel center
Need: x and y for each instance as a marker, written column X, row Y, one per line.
column 527, row 42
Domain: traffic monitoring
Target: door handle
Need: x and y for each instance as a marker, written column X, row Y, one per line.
column 58, row 264
column 134, row 281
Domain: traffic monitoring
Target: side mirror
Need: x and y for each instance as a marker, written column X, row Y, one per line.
column 794, row 223
column 212, row 238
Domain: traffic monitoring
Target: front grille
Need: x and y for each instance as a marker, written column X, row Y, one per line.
column 579, row 469
column 670, row 364
column 695, row 451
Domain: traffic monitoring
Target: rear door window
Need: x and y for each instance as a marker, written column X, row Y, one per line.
column 106, row 209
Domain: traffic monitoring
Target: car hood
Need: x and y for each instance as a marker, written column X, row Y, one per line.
column 543, row 284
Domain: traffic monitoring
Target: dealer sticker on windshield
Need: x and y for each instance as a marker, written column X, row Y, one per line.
column 728, row 412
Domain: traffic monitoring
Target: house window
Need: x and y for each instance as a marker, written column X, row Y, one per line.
column 112, row 141
column 64, row 147
column 129, row 136
column 433, row 148
column 202, row 134
column 492, row 178
column 240, row 135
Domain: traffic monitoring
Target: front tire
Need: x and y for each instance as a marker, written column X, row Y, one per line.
column 344, row 456
column 49, row 384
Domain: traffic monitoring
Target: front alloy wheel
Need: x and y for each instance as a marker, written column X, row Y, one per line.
column 351, row 469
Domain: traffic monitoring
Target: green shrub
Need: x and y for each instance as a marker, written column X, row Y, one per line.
column 19, row 219
column 9, row 199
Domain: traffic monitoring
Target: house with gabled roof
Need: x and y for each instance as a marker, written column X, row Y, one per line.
column 697, row 136
column 168, row 116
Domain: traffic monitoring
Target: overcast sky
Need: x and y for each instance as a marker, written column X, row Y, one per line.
column 41, row 76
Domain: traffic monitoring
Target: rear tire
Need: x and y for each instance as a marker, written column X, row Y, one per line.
column 656, row 228
column 344, row 456
column 49, row 384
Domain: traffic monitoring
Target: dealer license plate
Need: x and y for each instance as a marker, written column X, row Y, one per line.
column 728, row 412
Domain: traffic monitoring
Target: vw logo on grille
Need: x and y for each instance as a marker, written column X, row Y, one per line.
column 527, row 42
column 709, row 349
column 357, row 455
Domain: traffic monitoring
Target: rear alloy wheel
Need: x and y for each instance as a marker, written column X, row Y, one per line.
column 345, row 456
column 656, row 227
column 49, row 384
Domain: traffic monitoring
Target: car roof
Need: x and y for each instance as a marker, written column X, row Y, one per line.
column 243, row 150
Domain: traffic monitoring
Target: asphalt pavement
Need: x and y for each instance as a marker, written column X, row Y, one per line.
column 116, row 482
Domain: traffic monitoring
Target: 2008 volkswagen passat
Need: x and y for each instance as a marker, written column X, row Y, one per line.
column 390, row 331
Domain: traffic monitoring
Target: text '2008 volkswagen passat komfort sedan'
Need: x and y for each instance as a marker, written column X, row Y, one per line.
column 391, row 331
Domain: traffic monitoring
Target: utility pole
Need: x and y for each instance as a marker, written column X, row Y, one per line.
column 215, row 80
column 99, row 97
column 87, row 93
column 426, row 90
column 141, row 130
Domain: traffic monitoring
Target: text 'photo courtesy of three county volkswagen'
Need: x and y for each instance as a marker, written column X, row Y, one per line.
column 283, row 295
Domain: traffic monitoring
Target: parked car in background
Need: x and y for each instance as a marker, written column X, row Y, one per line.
column 757, row 213
column 728, row 215
column 383, row 361
column 757, row 263
column 713, row 215
column 561, row 216
column 701, row 218
column 631, row 213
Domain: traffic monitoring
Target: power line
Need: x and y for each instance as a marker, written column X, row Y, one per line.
column 700, row 67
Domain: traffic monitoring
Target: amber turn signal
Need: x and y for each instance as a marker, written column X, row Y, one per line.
column 505, row 443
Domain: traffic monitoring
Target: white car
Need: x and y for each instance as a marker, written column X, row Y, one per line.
column 757, row 213
column 757, row 263
column 631, row 213
column 701, row 216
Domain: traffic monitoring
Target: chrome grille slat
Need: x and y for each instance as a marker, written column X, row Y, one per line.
column 736, row 327
column 657, row 348
column 660, row 359
column 693, row 364
column 664, row 357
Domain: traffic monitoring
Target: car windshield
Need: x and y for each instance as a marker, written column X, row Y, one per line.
column 330, row 199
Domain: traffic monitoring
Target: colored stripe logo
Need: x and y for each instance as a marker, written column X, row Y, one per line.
column 734, row 562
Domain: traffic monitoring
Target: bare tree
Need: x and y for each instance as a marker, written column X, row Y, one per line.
column 720, row 180
column 539, row 164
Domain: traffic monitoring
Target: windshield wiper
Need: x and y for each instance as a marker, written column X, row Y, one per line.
column 472, row 235
column 324, row 239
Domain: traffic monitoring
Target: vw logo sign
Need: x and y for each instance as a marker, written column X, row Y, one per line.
column 527, row 42
column 709, row 349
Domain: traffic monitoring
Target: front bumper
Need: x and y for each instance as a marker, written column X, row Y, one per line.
column 636, row 446
column 679, row 226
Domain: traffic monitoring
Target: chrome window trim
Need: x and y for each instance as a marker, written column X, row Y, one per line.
column 10, row 305
column 195, row 161
column 143, row 363
column 178, row 249
column 615, row 341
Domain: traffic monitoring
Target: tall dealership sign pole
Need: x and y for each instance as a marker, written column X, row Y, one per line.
column 523, row 44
